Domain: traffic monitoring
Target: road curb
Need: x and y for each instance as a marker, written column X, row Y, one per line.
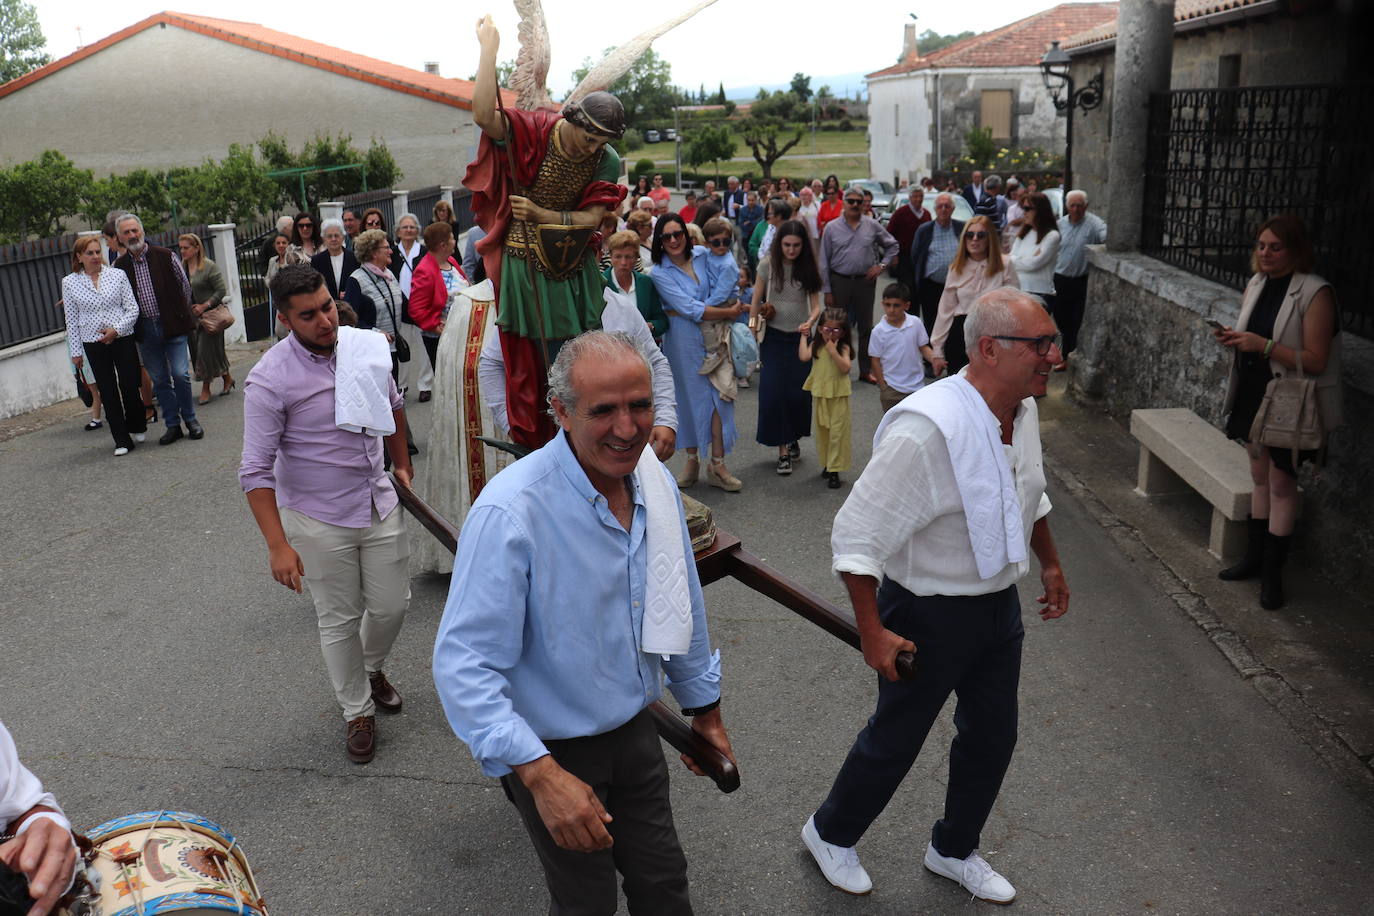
column 1317, row 731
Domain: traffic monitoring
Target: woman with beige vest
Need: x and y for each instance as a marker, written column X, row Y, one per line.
column 1288, row 313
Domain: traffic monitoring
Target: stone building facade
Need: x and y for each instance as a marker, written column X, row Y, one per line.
column 921, row 107
column 1144, row 341
column 247, row 80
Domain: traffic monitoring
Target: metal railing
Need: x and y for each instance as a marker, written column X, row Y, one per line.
column 422, row 203
column 1221, row 161
column 382, row 200
column 31, row 283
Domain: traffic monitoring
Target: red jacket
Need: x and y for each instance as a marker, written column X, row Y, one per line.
column 428, row 295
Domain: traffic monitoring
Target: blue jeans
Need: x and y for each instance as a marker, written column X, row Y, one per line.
column 169, row 366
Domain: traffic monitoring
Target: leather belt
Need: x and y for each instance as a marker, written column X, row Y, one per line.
column 849, row 276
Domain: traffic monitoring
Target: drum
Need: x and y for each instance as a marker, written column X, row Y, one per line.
column 171, row 862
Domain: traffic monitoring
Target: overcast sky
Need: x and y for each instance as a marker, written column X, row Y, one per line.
column 738, row 42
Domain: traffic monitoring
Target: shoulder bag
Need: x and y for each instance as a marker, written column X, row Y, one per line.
column 215, row 320
column 1289, row 416
column 402, row 348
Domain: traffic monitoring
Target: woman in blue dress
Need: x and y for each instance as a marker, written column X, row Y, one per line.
column 693, row 286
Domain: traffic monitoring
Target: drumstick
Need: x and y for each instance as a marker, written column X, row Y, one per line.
column 670, row 727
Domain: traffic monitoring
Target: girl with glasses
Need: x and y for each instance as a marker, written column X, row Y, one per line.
column 978, row 266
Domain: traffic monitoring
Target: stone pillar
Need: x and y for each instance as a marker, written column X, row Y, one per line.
column 331, row 209
column 1144, row 60
column 446, row 193
column 223, row 254
column 400, row 204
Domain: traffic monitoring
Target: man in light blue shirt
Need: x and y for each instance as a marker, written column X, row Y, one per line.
column 1077, row 230
column 538, row 660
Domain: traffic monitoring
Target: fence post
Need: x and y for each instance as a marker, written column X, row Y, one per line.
column 222, row 244
column 400, row 204
column 446, row 193
column 331, row 209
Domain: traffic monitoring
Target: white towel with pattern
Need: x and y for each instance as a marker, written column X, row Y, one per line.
column 667, row 625
column 362, row 370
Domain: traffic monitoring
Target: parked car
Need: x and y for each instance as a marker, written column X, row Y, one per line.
column 669, row 133
column 651, row 136
column 883, row 194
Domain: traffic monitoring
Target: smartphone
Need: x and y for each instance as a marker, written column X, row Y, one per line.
column 1215, row 325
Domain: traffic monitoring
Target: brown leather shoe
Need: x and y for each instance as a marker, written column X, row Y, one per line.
column 361, row 739
column 383, row 694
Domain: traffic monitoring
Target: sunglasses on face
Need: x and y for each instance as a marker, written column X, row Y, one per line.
column 976, row 235
column 856, row 201
column 673, row 236
column 718, row 243
column 1041, row 345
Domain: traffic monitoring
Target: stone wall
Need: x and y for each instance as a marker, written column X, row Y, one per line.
column 1144, row 343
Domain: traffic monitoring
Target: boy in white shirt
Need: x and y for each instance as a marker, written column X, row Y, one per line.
column 897, row 347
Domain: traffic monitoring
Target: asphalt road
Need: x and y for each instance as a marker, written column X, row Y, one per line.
column 148, row 661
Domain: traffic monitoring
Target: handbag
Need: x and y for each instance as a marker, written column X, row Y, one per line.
column 215, row 320
column 1290, row 416
column 744, row 350
column 402, row 347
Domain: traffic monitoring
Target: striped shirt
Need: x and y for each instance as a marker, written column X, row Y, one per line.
column 91, row 309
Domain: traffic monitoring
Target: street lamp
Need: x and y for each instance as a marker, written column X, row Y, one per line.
column 1055, row 70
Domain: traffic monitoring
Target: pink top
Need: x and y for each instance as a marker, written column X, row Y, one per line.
column 291, row 443
column 961, row 291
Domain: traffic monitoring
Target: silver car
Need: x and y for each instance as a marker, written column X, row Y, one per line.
column 883, row 194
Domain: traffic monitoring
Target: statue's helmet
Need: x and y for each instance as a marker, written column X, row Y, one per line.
column 598, row 112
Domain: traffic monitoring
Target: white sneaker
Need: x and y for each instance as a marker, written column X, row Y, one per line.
column 121, row 452
column 839, row 864
column 974, row 874
column 140, row 438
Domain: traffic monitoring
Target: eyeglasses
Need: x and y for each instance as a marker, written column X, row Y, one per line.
column 672, row 236
column 1041, row 345
column 975, row 235
column 717, row 243
column 854, row 200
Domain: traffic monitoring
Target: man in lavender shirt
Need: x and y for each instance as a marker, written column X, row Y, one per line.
column 324, row 505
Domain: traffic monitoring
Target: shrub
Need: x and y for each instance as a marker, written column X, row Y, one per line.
column 644, row 167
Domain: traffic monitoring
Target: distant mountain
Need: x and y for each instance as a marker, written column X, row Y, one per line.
column 843, row 85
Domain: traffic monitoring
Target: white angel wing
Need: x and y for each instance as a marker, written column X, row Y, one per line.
column 616, row 64
column 532, row 63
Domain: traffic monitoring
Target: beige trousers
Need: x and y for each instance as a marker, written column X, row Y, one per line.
column 359, row 579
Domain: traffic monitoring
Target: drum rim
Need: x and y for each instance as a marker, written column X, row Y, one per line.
column 211, row 901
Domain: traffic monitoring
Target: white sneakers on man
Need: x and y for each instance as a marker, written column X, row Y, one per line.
column 974, row 873
column 839, row 864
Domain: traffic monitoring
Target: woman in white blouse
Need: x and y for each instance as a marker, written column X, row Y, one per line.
column 1036, row 248
column 101, row 313
column 978, row 266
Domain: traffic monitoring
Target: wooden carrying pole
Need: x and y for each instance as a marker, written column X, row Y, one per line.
column 670, row 726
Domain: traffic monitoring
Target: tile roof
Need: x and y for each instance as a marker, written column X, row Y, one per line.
column 454, row 92
column 1020, row 44
column 1184, row 10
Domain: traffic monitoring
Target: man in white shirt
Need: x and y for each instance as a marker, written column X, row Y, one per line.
column 807, row 213
column 41, row 848
column 924, row 578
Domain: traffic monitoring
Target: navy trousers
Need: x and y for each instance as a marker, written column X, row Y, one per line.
column 970, row 646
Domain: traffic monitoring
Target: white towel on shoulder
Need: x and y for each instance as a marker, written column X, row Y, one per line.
column 667, row 626
column 362, row 374
column 986, row 486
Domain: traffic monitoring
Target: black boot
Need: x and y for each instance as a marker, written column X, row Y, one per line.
column 1253, row 561
column 1271, row 579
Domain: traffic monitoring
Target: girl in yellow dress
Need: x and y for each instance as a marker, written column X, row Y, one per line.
column 830, row 351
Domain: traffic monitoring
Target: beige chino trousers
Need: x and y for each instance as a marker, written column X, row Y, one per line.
column 359, row 579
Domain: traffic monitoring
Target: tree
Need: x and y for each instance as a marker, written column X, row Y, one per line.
column 646, row 90
column 764, row 136
column 710, row 144
column 823, row 92
column 321, row 156
column 801, row 87
column 931, row 41
column 35, row 196
column 234, row 190
column 981, row 148
column 504, row 69
column 140, row 192
column 720, row 95
column 21, row 40
column 729, row 108
column 785, row 106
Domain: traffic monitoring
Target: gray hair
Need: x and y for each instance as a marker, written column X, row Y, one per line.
column 283, row 222
column 992, row 182
column 1078, row 193
column 332, row 223
column 603, row 346
column 732, row 178
column 408, row 216
column 944, row 195
column 125, row 217
column 991, row 316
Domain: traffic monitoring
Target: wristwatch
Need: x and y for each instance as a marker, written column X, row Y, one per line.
column 698, row 710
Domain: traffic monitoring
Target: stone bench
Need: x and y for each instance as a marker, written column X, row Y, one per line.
column 1180, row 451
